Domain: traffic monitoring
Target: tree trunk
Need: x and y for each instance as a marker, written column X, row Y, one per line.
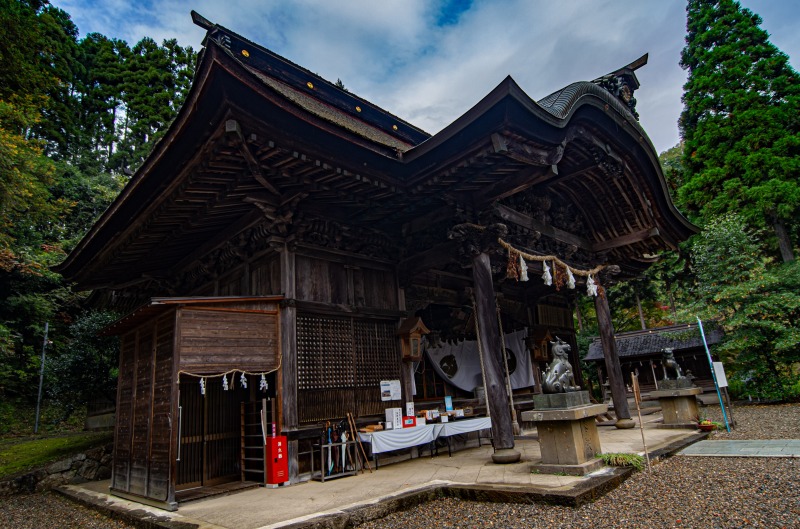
column 641, row 313
column 613, row 368
column 784, row 241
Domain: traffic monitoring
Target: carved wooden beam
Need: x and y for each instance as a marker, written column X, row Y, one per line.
column 521, row 181
column 232, row 127
column 527, row 154
column 521, row 219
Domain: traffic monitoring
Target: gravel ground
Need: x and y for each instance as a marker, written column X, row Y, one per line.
column 681, row 492
column 691, row 492
column 51, row 511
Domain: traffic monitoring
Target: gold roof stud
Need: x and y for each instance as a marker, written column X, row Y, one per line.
column 246, row 53
column 310, row 85
column 358, row 108
column 394, row 127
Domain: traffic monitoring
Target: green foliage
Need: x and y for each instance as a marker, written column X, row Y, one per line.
column 739, row 123
column 77, row 116
column 22, row 456
column 613, row 459
column 86, row 366
column 757, row 305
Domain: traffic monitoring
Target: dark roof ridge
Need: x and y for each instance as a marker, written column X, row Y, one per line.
column 283, row 69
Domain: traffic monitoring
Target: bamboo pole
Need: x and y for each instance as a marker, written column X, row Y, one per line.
column 637, row 396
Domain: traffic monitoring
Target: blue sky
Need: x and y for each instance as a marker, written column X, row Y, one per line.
column 429, row 61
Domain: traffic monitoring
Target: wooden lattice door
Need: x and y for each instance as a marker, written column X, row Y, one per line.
column 210, row 434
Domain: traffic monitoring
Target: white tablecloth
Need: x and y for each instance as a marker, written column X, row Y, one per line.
column 461, row 426
column 388, row 440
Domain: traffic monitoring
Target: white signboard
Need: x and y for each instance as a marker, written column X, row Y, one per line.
column 719, row 371
column 390, row 390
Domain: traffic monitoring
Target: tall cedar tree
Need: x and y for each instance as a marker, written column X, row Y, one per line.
column 740, row 123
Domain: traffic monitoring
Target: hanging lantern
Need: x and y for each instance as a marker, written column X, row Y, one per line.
column 523, row 269
column 203, row 387
column 591, row 287
column 570, row 279
column 262, row 385
column 411, row 332
column 546, row 276
column 243, row 381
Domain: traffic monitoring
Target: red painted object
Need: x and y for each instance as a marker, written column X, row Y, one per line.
column 277, row 460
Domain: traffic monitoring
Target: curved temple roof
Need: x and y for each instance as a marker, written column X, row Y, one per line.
column 262, row 138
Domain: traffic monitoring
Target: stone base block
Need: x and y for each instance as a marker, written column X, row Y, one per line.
column 571, row 470
column 678, row 406
column 573, row 399
column 568, row 437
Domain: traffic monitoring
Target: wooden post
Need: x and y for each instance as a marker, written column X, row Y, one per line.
column 288, row 373
column 475, row 241
column 406, row 368
column 615, row 380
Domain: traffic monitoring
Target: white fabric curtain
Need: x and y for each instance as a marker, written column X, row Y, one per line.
column 460, row 364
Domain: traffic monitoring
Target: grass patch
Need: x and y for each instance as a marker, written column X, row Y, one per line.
column 18, row 455
column 623, row 460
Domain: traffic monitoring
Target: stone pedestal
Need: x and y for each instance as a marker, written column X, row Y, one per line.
column 679, row 407
column 568, row 435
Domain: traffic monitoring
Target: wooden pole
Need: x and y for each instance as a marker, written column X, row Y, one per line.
column 354, row 432
column 476, row 242
column 496, row 394
column 638, row 398
column 613, row 369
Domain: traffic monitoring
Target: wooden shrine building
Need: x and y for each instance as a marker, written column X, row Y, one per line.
column 285, row 228
column 641, row 351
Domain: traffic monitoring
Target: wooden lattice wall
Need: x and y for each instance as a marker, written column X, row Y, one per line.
column 340, row 363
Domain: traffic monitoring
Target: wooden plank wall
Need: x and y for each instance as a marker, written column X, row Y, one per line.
column 338, row 284
column 142, row 405
column 164, row 386
column 142, row 447
column 215, row 340
column 124, row 417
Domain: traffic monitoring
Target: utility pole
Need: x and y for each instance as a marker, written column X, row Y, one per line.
column 41, row 379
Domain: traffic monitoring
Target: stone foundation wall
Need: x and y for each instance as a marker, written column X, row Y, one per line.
column 94, row 464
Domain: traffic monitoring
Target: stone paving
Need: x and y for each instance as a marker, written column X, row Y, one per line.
column 351, row 496
column 758, row 448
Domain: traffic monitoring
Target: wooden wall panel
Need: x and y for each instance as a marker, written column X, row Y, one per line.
column 215, row 340
column 140, row 447
column 375, row 289
column 265, row 278
column 161, row 430
column 124, row 416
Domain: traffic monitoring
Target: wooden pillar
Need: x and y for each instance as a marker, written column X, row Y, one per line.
column 288, row 375
column 615, row 380
column 406, row 368
column 476, row 240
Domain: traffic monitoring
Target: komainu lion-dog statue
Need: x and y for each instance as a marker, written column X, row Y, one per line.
column 559, row 377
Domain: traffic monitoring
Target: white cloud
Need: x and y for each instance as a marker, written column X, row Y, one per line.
column 392, row 52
